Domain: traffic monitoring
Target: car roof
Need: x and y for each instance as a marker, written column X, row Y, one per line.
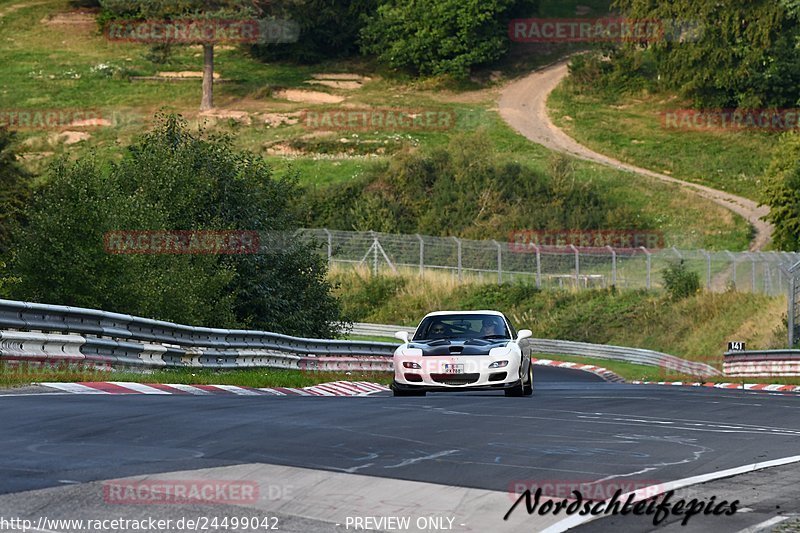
column 485, row 312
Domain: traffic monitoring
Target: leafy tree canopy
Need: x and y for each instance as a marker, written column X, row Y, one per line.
column 174, row 180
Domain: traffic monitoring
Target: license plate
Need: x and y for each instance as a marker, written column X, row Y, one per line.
column 453, row 369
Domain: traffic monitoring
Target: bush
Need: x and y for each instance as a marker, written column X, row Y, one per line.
column 14, row 190
column 328, row 29
column 434, row 37
column 463, row 189
column 680, row 282
column 782, row 193
column 174, row 180
column 364, row 293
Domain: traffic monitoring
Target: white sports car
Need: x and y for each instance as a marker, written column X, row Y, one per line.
column 463, row 350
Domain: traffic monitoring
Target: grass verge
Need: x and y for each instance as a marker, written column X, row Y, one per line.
column 634, row 372
column 631, row 128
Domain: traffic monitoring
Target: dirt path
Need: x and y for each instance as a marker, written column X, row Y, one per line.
column 21, row 5
column 523, row 107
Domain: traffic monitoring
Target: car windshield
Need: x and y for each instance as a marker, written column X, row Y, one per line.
column 457, row 326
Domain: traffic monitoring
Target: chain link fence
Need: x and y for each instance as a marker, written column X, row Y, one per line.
column 550, row 266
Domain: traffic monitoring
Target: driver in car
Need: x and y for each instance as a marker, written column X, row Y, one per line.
column 438, row 331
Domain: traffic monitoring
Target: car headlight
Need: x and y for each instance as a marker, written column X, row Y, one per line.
column 498, row 364
column 411, row 352
column 411, row 364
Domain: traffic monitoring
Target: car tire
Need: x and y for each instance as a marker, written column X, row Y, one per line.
column 527, row 389
column 517, row 390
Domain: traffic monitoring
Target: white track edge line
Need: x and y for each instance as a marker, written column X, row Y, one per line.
column 661, row 488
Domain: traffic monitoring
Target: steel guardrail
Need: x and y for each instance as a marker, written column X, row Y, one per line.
column 43, row 332
column 762, row 363
column 583, row 349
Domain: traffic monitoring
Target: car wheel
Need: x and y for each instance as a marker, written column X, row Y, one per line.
column 517, row 390
column 528, row 388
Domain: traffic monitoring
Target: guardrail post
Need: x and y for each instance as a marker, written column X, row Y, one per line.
column 330, row 246
column 538, row 267
column 499, row 262
column 458, row 242
column 421, row 256
column 647, row 253
column 577, row 266
column 708, row 269
column 613, row 265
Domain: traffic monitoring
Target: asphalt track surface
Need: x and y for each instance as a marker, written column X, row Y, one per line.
column 55, row 449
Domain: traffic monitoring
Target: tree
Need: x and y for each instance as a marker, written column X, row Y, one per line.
column 782, row 193
column 744, row 55
column 14, row 189
column 196, row 10
column 175, row 180
column 432, row 37
column 328, row 29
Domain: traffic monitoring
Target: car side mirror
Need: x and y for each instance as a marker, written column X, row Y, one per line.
column 524, row 334
column 402, row 335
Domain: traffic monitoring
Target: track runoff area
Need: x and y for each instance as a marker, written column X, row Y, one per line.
column 581, row 453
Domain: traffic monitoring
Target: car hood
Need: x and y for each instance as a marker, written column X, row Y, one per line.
column 458, row 347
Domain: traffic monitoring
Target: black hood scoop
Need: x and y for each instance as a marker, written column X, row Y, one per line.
column 458, row 347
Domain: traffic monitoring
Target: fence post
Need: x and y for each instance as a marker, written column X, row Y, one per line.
column 330, row 245
column 791, row 309
column 753, row 274
column 458, row 242
column 577, row 266
column 708, row 269
column 613, row 265
column 421, row 256
column 499, row 262
column 374, row 254
column 733, row 265
column 648, row 265
column 538, row 267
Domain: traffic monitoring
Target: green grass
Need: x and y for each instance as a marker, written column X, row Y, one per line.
column 371, row 338
column 39, row 76
column 634, row 372
column 630, row 129
column 627, row 371
column 257, row 377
